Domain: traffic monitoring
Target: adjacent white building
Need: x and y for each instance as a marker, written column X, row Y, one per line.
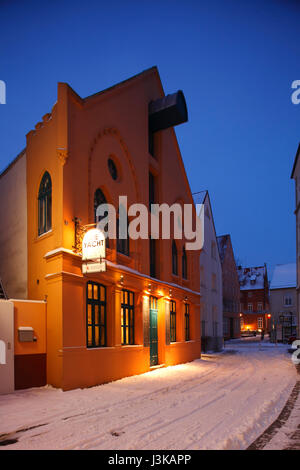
column 296, row 176
column 283, row 301
column 210, row 281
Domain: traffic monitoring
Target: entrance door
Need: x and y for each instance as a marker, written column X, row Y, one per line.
column 153, row 332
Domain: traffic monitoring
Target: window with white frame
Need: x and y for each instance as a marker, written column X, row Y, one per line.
column 260, row 322
column 250, row 307
column 287, row 300
column 259, row 307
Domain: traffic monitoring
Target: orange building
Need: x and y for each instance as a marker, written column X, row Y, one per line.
column 143, row 311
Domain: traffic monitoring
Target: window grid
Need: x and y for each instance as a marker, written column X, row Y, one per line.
column 127, row 317
column 172, row 321
column 96, row 314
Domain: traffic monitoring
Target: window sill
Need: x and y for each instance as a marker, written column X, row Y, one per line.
column 126, row 260
column 44, row 235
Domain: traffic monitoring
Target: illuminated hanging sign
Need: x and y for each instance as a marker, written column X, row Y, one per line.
column 93, row 245
column 94, row 250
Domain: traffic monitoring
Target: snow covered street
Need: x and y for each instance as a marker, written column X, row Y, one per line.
column 223, row 401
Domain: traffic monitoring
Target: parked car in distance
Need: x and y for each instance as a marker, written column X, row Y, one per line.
column 247, row 333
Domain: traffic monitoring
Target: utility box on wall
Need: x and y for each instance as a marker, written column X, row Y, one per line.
column 26, row 334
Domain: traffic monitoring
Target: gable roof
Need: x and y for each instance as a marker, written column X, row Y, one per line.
column 295, row 161
column 199, row 197
column 284, row 276
column 252, row 278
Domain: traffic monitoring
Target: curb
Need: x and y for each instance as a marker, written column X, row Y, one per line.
column 270, row 432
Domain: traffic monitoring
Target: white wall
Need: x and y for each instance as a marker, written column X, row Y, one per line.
column 13, row 230
column 211, row 298
column 7, row 381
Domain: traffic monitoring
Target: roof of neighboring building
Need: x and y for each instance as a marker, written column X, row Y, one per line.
column 284, row 276
column 252, row 278
column 199, row 197
column 222, row 245
column 12, row 163
column 295, row 161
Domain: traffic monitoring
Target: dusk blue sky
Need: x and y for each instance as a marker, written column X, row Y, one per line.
column 235, row 61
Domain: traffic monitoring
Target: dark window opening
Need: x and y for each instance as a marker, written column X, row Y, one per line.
column 174, row 259
column 184, row 264
column 45, row 205
column 172, row 321
column 187, row 322
column 152, row 257
column 99, row 199
column 112, row 169
column 151, row 189
column 122, row 243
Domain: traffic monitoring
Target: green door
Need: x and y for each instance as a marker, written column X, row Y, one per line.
column 153, row 332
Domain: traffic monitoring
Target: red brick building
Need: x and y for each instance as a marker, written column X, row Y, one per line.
column 255, row 308
column 231, row 289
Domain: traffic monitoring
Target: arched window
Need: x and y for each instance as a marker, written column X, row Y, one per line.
column 45, row 205
column 184, row 264
column 99, row 199
column 174, row 259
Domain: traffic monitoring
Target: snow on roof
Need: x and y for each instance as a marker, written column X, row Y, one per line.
column 251, row 278
column 199, row 197
column 284, row 276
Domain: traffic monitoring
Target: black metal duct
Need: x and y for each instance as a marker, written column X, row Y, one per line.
column 167, row 112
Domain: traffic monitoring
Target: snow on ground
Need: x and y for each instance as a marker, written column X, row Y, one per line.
column 222, row 401
column 288, row 436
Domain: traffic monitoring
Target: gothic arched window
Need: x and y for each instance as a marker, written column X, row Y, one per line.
column 45, row 205
column 184, row 264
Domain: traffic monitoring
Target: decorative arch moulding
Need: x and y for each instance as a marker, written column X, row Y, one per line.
column 113, row 132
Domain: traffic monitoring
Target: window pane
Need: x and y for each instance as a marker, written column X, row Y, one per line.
column 102, row 290
column 95, row 289
column 89, row 314
column 97, row 336
column 90, row 292
column 96, row 311
column 90, row 336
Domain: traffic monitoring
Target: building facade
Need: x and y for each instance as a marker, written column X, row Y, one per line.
column 283, row 302
column 296, row 177
column 230, row 289
column 143, row 311
column 210, row 281
column 255, row 306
